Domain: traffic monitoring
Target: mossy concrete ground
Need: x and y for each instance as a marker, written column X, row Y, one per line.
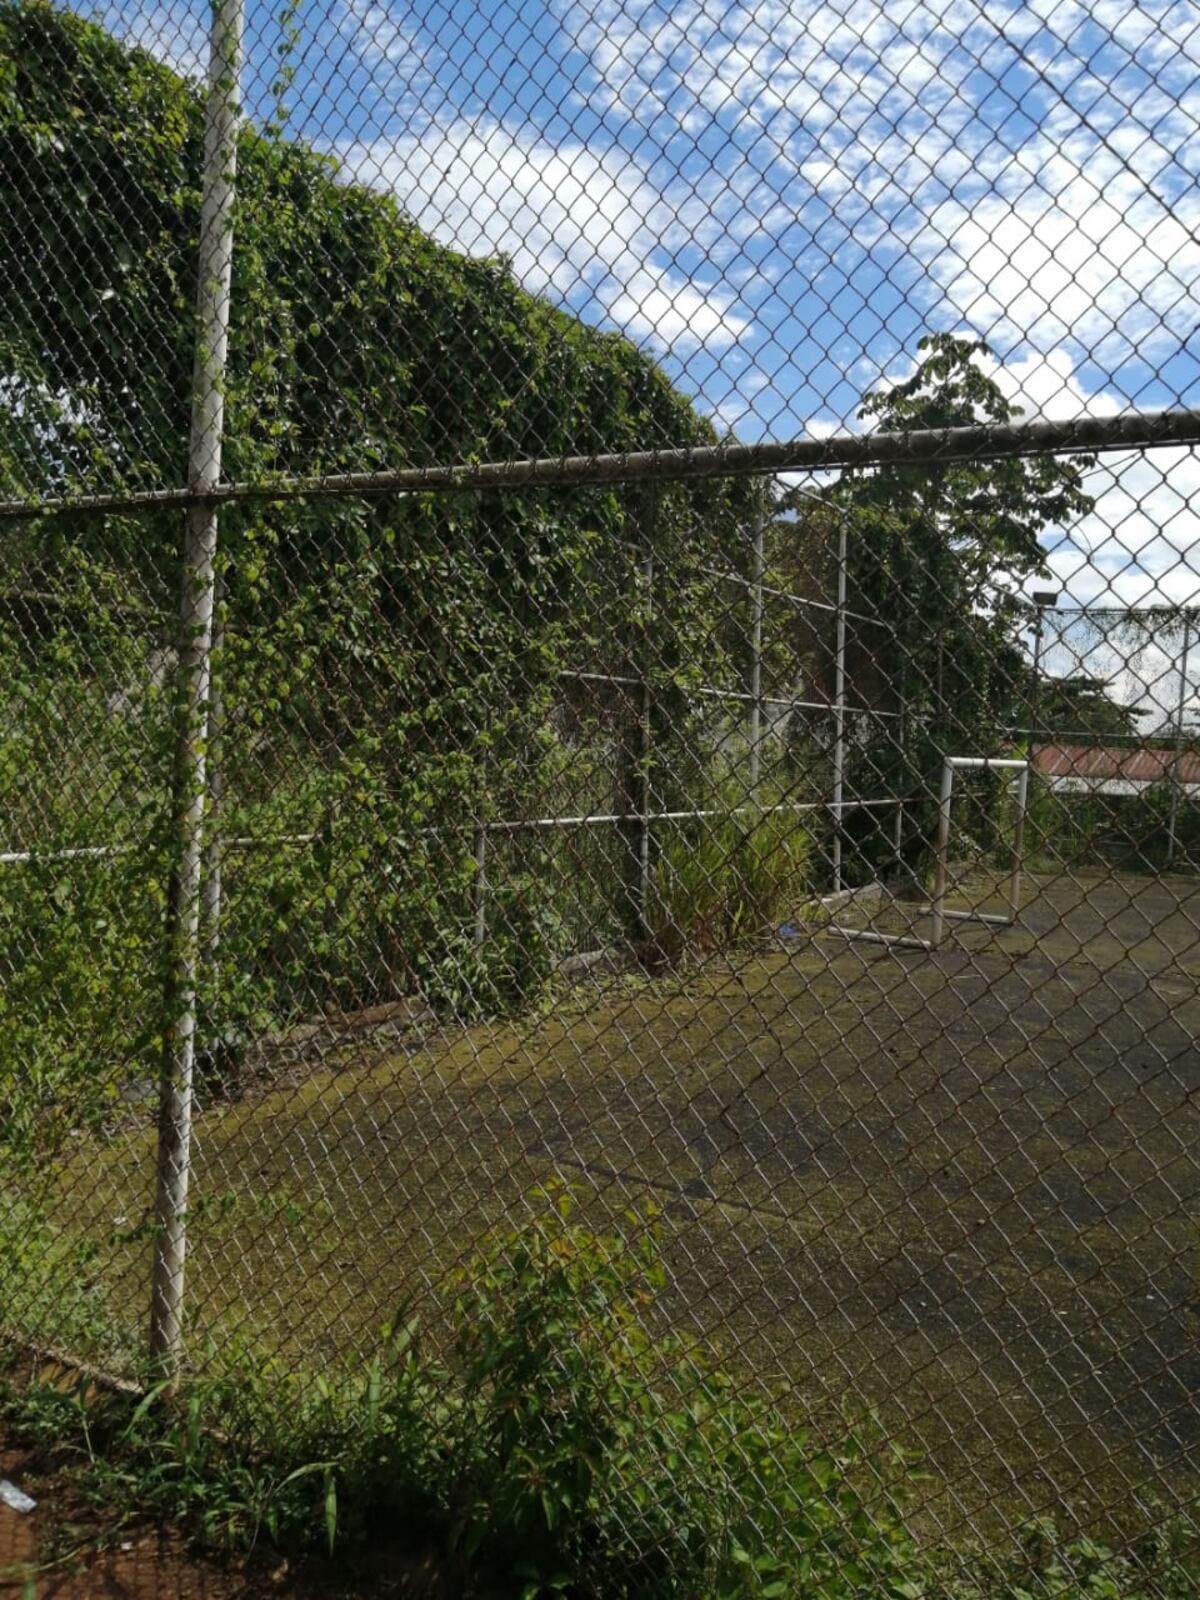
column 962, row 1187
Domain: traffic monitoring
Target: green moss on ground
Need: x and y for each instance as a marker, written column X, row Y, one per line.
column 963, row 1188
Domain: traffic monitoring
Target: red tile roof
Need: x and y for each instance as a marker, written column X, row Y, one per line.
column 1133, row 764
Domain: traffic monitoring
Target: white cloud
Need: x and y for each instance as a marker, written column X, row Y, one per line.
column 1065, row 215
column 585, row 225
column 1019, row 167
column 825, row 65
column 1142, row 542
column 738, row 404
column 380, row 36
column 173, row 32
column 810, row 184
column 404, row 67
column 1071, row 251
column 1047, row 386
column 1139, row 669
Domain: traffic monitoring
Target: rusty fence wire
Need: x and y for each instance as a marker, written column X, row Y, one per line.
column 599, row 645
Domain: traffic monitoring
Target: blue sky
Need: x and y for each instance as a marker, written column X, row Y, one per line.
column 778, row 198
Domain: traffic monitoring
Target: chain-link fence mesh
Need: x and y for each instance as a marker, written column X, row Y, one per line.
column 786, row 840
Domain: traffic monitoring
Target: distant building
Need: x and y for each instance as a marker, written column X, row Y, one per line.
column 1104, row 769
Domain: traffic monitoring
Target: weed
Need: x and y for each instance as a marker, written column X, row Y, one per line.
column 561, row 1443
column 1161, row 1565
column 727, row 880
column 52, row 1287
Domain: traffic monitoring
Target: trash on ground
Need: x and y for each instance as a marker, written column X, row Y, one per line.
column 16, row 1499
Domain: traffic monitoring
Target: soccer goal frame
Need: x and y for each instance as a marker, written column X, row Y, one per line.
column 937, row 905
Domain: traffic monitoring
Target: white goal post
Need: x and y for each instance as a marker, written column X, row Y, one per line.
column 937, row 905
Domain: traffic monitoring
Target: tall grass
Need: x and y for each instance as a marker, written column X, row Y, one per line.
column 727, row 880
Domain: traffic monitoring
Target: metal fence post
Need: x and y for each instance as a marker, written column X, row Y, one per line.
column 480, row 888
column 215, row 259
column 898, row 827
column 1176, row 785
column 1018, row 848
column 839, row 696
column 757, row 566
column 210, row 908
column 942, row 852
column 647, row 750
column 632, row 787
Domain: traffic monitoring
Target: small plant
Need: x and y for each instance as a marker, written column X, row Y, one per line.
column 1162, row 1565
column 689, row 895
column 771, row 862
column 1062, row 829
column 51, row 1286
column 601, row 1457
column 248, row 1450
column 727, row 880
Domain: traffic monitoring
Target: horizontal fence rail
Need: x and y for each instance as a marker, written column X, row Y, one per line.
column 920, row 447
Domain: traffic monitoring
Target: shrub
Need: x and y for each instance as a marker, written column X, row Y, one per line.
column 770, row 864
column 604, row 1458
column 726, row 880
column 563, row 1444
column 80, row 987
column 51, row 1285
column 1062, row 830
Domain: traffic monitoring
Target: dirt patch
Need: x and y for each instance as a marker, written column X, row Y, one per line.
column 65, row 1550
column 56, row 1552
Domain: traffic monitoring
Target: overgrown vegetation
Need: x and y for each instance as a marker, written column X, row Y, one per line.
column 728, row 878
column 560, row 1441
column 1126, row 832
column 394, row 669
column 391, row 669
column 392, row 674
column 1160, row 1565
column 53, row 1289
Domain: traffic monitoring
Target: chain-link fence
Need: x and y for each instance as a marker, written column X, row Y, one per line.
column 609, row 598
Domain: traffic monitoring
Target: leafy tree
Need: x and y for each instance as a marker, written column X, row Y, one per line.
column 939, row 552
column 1080, row 706
column 936, row 553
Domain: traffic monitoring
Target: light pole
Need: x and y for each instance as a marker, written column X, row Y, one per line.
column 1176, row 764
column 1043, row 600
